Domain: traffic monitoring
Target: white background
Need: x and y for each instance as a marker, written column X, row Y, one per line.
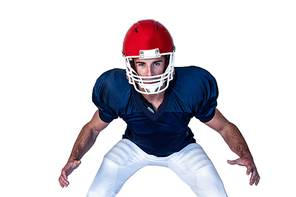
column 51, row 53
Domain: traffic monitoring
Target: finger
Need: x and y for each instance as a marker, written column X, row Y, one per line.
column 257, row 180
column 252, row 179
column 249, row 169
column 64, row 175
column 76, row 164
column 234, row 162
column 254, row 176
column 63, row 182
column 252, row 170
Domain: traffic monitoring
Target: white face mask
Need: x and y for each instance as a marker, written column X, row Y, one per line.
column 152, row 84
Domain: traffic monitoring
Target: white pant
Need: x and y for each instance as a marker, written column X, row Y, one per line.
column 191, row 164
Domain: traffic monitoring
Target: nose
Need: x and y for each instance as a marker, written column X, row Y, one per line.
column 149, row 70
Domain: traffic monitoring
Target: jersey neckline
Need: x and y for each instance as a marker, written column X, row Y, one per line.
column 149, row 114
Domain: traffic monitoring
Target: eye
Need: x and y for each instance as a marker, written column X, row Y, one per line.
column 140, row 64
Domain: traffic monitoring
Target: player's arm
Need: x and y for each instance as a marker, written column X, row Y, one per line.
column 236, row 143
column 84, row 142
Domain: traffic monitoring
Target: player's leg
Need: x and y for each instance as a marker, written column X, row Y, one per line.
column 194, row 167
column 119, row 164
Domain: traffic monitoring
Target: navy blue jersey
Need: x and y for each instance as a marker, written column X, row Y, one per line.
column 192, row 93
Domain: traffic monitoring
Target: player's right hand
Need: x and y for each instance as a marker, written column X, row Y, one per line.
column 66, row 171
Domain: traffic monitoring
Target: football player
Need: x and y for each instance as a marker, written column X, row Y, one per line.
column 157, row 101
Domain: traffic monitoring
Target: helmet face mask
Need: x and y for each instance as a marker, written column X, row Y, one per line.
column 148, row 39
column 150, row 84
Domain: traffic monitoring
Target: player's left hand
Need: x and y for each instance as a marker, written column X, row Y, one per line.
column 251, row 168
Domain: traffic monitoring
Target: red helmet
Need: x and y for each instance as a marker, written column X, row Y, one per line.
column 147, row 35
column 144, row 40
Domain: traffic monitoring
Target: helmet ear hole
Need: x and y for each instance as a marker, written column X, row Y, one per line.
column 132, row 62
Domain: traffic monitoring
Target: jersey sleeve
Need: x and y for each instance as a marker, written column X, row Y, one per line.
column 207, row 97
column 107, row 94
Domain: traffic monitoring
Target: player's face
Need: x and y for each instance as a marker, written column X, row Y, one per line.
column 150, row 67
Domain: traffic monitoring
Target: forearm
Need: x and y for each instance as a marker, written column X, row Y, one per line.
column 235, row 140
column 84, row 142
column 236, row 143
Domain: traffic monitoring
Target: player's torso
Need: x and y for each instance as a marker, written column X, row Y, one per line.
column 161, row 133
column 165, row 131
